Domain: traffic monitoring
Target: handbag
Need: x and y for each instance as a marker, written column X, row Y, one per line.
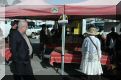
column 8, row 54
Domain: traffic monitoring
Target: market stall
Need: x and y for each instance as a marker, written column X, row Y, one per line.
column 53, row 11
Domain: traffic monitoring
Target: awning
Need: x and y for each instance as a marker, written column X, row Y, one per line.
column 52, row 9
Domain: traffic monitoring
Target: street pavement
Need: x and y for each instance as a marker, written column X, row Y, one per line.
column 39, row 68
column 44, row 69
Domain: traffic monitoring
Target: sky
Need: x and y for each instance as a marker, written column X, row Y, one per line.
column 61, row 2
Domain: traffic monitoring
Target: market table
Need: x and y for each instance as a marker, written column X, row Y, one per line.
column 69, row 57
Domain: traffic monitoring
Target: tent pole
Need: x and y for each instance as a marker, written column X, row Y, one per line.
column 63, row 46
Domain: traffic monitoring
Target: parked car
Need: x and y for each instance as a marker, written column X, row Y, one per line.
column 33, row 32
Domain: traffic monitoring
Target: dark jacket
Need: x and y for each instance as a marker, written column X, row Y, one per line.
column 118, row 43
column 112, row 35
column 11, row 34
column 43, row 37
column 19, row 48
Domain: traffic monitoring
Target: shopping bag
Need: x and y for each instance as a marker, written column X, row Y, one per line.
column 8, row 54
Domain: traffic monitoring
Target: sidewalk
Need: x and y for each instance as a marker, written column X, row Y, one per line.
column 44, row 71
column 39, row 68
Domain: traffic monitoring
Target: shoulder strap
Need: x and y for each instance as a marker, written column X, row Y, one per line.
column 93, row 43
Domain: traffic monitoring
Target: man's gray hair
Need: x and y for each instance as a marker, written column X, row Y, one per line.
column 21, row 23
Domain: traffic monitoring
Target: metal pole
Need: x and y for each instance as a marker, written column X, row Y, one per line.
column 63, row 46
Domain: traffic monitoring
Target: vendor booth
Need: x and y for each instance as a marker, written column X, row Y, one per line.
column 48, row 10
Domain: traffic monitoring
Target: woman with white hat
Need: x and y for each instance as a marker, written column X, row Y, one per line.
column 91, row 53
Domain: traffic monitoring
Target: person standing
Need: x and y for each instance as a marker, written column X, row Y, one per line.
column 102, row 39
column 118, row 51
column 21, row 50
column 45, row 39
column 91, row 54
column 14, row 26
column 54, row 35
column 110, row 44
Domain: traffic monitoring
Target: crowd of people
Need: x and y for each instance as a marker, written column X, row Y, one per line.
column 93, row 46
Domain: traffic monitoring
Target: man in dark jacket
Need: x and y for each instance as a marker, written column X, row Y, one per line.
column 14, row 26
column 118, row 51
column 21, row 49
column 43, row 36
column 43, row 40
column 110, row 43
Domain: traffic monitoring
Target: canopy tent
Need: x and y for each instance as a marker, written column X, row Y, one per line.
column 53, row 9
column 45, row 12
column 33, row 11
column 91, row 11
column 118, row 11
